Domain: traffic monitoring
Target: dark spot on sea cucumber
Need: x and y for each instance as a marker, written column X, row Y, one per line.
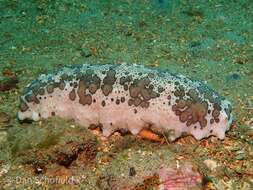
column 62, row 85
column 137, row 101
column 112, row 99
column 64, row 76
column 53, row 113
column 117, row 101
column 144, row 104
column 134, row 91
column 123, row 80
column 211, row 131
column 103, row 103
column 75, row 85
column 193, row 113
column 94, row 100
column 211, row 121
column 179, row 91
column 93, row 88
column 50, row 88
column 41, row 91
column 135, row 111
column 215, row 113
column 106, row 89
column 160, row 89
column 108, row 82
column 72, row 95
column 125, row 87
column 122, row 99
column 85, row 99
column 32, row 98
column 23, row 106
column 130, row 102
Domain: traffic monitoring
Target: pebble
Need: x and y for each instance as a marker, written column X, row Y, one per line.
column 8, row 83
column 3, row 137
column 4, row 119
column 211, row 164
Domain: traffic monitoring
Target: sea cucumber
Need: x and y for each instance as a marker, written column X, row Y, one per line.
column 128, row 97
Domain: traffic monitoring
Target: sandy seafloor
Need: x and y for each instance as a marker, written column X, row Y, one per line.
column 210, row 41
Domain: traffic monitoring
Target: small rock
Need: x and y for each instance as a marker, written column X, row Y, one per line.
column 240, row 155
column 234, row 77
column 211, row 164
column 8, row 83
column 4, row 119
column 132, row 171
column 4, row 169
column 3, row 137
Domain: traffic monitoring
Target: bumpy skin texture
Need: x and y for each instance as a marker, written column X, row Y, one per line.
column 128, row 97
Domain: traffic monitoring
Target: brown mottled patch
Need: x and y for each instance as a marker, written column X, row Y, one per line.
column 23, row 106
column 32, row 98
column 72, row 95
column 125, row 87
column 108, row 82
column 85, row 99
column 103, row 103
column 122, row 99
column 88, row 81
column 180, row 92
column 141, row 91
column 137, row 101
column 191, row 112
column 62, row 85
column 117, row 101
column 130, row 102
column 64, row 76
column 41, row 91
column 125, row 79
column 106, row 89
column 134, row 91
column 144, row 104
column 81, row 91
column 160, row 89
column 93, row 88
column 193, row 94
column 216, row 112
column 50, row 88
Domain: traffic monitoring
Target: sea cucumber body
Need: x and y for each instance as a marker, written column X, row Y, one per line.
column 128, row 97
